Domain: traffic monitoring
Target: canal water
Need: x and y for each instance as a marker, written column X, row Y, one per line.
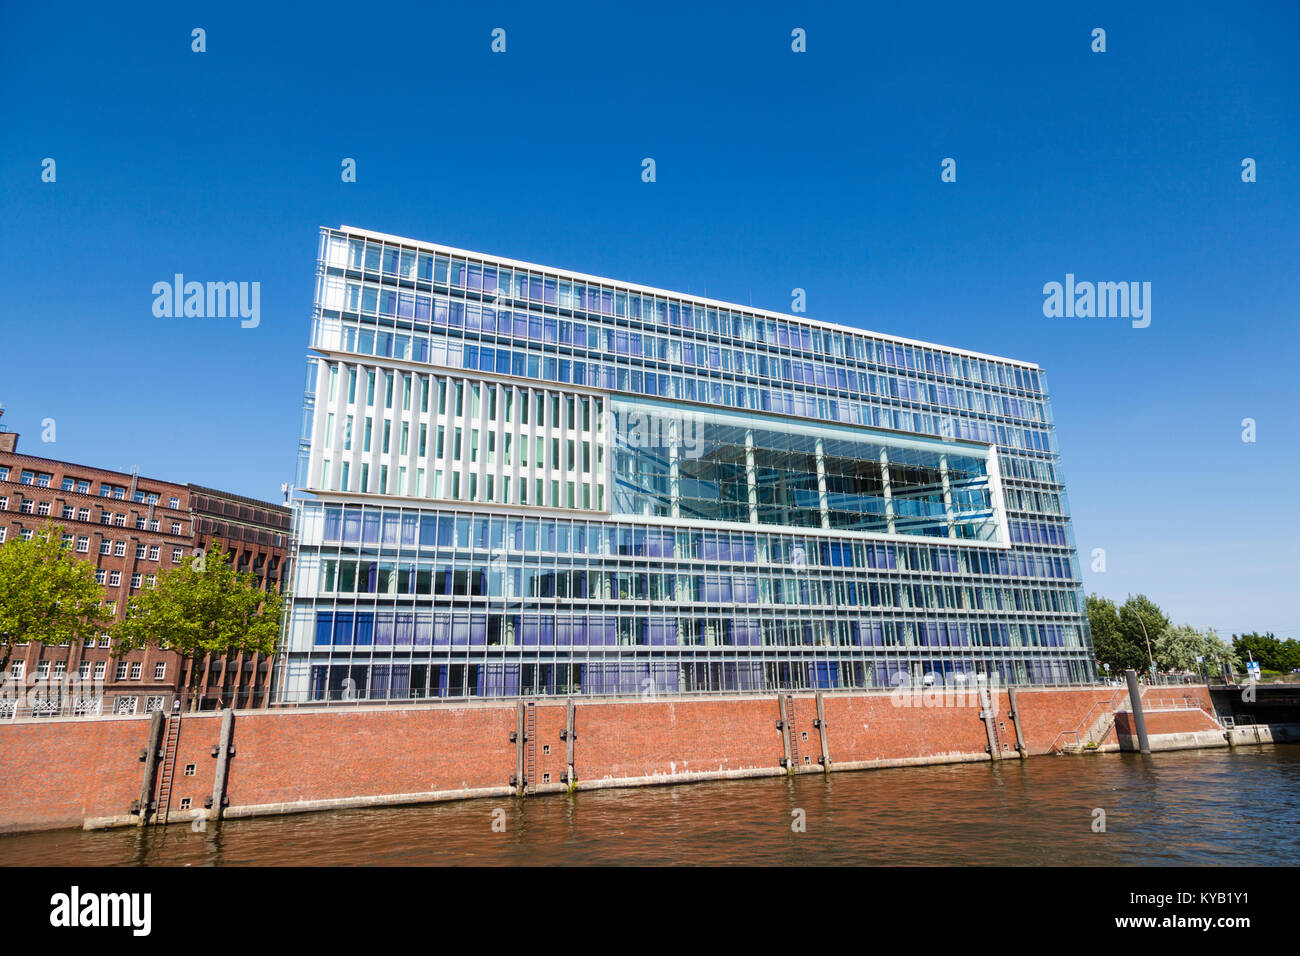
column 1192, row 807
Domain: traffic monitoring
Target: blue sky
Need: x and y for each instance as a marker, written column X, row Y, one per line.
column 775, row 170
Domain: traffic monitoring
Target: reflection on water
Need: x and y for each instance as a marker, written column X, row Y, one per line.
column 1192, row 807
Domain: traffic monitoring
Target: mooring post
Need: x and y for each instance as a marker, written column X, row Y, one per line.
column 986, row 713
column 570, row 721
column 150, row 765
column 1135, row 702
column 223, row 761
column 1015, row 722
column 821, row 729
column 519, row 749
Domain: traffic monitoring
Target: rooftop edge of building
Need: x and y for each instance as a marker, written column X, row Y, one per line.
column 127, row 476
column 655, row 290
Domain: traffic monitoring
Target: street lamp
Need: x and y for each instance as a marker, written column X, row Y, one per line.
column 1150, row 657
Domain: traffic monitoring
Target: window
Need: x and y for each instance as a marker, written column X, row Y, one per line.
column 119, row 520
column 83, row 487
column 176, row 528
column 83, row 670
column 153, row 524
column 177, row 554
column 100, row 666
column 189, row 769
column 24, row 534
column 4, row 502
column 174, row 502
column 135, row 670
column 67, row 513
column 42, row 670
column 121, row 670
column 83, row 544
column 60, row 669
column 2, row 534
column 106, row 547
column 27, row 477
column 17, row 669
column 26, row 506
column 150, row 705
column 125, row 705
column 114, row 579
column 4, row 474
column 136, row 579
column 139, row 552
column 43, row 508
column 160, row 671
column 119, row 549
column 83, row 514
column 151, row 579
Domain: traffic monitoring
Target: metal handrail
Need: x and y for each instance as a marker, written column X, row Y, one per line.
column 1108, row 707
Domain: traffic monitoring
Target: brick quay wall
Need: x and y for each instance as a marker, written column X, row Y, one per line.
column 120, row 771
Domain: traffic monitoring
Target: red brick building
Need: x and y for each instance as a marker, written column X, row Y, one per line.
column 132, row 529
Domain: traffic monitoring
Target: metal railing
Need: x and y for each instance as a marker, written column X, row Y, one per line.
column 1089, row 723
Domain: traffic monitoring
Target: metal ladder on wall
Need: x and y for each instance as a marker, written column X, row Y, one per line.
column 530, row 747
column 794, row 733
column 168, row 768
column 993, row 722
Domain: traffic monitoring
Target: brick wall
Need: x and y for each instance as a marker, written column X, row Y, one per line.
column 1168, row 722
column 59, row 773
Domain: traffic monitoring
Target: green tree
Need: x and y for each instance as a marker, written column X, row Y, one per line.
column 1179, row 647
column 1140, row 621
column 1109, row 642
column 203, row 605
column 1272, row 653
column 47, row 596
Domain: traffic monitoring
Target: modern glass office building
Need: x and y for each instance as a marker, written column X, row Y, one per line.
column 517, row 479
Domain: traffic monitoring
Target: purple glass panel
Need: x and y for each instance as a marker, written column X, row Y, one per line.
column 384, row 629
column 423, row 629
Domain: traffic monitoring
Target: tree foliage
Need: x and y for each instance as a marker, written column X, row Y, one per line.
column 203, row 605
column 1272, row 653
column 1111, row 643
column 1142, row 624
column 47, row 595
column 1178, row 648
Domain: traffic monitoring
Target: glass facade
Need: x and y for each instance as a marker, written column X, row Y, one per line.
column 522, row 480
